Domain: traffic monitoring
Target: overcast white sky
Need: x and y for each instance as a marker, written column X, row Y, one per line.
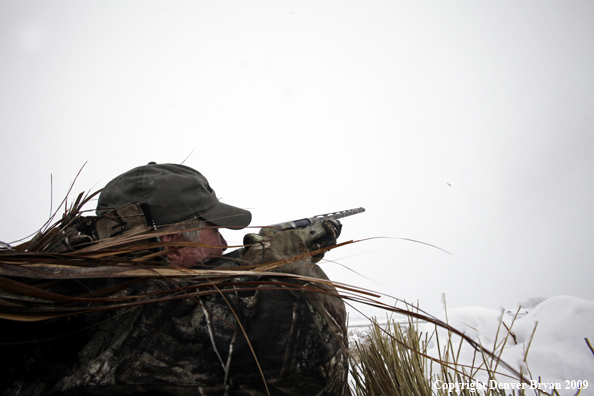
column 464, row 124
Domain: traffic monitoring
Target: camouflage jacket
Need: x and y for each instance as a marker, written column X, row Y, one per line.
column 279, row 341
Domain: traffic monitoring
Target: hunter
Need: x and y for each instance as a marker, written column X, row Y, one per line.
column 279, row 340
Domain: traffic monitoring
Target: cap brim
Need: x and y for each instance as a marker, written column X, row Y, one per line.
column 228, row 216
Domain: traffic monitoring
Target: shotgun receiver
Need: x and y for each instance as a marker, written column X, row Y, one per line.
column 312, row 228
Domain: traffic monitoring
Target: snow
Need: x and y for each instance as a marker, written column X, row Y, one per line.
column 558, row 353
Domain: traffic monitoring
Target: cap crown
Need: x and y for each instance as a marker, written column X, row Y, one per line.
column 174, row 192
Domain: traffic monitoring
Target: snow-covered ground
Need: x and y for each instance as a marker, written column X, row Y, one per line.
column 558, row 354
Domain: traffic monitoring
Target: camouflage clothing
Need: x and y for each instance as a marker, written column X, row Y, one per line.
column 199, row 345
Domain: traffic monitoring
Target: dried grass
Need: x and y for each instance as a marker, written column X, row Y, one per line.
column 391, row 359
column 394, row 361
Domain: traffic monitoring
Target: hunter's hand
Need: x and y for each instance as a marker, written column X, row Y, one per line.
column 333, row 229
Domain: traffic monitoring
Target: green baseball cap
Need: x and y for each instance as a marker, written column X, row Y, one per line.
column 174, row 192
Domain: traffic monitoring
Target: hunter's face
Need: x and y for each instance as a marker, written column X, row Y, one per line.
column 189, row 256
